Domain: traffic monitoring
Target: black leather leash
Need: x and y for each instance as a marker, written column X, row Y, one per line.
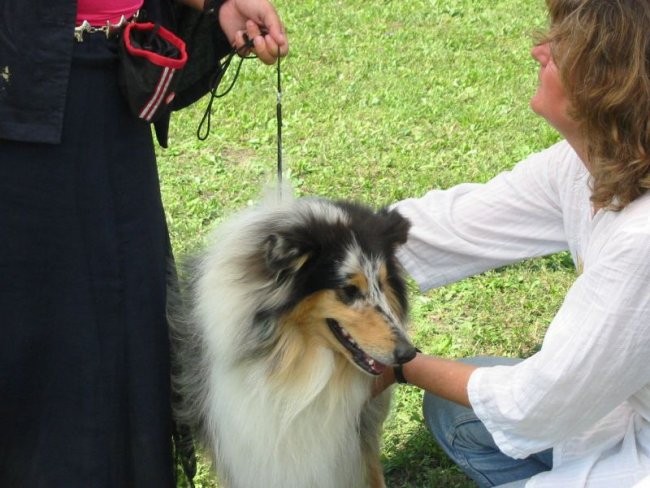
column 278, row 112
column 202, row 134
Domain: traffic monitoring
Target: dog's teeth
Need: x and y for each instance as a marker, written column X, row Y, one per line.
column 348, row 337
column 371, row 362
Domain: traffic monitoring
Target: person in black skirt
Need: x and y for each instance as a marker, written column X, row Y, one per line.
column 84, row 348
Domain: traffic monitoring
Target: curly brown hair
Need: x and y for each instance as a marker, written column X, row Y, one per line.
column 602, row 50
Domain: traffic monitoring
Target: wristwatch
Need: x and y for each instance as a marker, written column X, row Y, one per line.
column 398, row 372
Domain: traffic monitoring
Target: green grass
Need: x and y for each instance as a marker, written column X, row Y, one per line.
column 383, row 100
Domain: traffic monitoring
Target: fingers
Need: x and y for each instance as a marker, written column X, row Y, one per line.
column 266, row 44
column 266, row 49
column 275, row 30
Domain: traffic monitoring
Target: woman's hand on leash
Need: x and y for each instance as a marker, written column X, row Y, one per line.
column 254, row 26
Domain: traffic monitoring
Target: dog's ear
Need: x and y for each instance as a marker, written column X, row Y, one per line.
column 396, row 227
column 283, row 253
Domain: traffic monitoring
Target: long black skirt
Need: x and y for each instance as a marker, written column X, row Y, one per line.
column 84, row 352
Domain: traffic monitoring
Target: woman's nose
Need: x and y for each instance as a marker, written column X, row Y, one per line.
column 541, row 53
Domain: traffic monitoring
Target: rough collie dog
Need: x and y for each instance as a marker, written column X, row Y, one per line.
column 295, row 307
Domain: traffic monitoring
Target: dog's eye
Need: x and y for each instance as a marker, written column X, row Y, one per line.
column 350, row 292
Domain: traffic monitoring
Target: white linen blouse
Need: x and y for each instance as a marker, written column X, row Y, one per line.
column 586, row 393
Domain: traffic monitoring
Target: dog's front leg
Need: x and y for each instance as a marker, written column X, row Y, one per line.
column 370, row 428
column 375, row 472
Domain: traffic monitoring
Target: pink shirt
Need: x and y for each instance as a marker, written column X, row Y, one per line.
column 97, row 12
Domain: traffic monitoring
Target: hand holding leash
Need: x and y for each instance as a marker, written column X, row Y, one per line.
column 257, row 21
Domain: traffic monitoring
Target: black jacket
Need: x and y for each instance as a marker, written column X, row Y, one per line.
column 36, row 52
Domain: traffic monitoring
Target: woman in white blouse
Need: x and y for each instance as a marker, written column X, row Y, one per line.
column 577, row 413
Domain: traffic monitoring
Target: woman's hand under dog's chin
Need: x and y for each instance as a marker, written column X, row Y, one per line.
column 446, row 378
column 388, row 379
column 382, row 382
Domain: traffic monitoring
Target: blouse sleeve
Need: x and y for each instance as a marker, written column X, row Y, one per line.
column 594, row 356
column 471, row 228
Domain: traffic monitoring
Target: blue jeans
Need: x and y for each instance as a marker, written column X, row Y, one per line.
column 468, row 443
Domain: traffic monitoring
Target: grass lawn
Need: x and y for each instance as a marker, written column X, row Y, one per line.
column 384, row 100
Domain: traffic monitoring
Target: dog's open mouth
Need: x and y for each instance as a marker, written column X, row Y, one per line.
column 363, row 360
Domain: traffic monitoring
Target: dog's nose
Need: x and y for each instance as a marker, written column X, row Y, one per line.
column 404, row 352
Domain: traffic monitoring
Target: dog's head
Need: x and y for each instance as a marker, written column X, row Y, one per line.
column 341, row 284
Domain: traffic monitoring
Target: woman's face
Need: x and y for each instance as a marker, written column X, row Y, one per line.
column 550, row 100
